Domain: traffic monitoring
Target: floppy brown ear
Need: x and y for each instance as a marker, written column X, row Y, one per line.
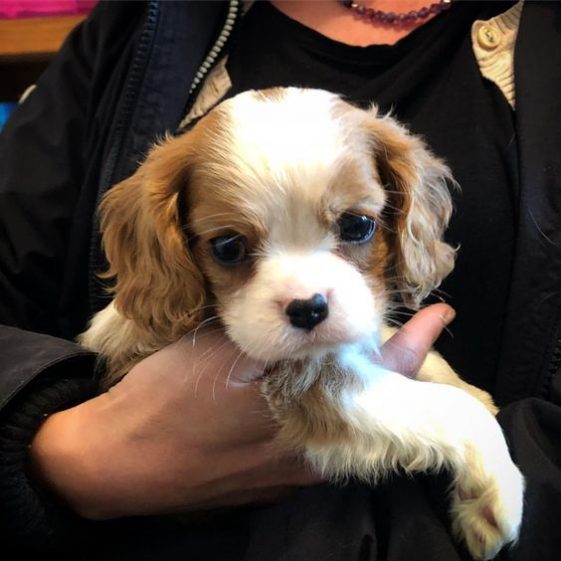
column 157, row 284
column 418, row 209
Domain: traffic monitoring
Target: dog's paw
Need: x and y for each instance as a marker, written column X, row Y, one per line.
column 487, row 511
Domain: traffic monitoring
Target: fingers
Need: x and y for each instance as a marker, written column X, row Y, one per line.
column 407, row 349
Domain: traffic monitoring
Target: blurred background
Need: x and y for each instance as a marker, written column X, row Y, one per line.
column 31, row 32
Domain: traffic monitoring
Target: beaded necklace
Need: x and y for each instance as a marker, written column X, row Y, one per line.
column 395, row 19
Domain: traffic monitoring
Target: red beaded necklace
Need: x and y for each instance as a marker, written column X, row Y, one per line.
column 393, row 18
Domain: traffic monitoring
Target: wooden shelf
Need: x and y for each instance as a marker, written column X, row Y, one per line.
column 26, row 47
column 34, row 39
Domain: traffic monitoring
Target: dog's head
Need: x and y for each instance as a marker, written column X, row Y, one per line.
column 295, row 215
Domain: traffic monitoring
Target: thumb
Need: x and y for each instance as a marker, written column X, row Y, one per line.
column 407, row 349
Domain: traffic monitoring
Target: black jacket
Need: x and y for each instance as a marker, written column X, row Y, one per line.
column 127, row 75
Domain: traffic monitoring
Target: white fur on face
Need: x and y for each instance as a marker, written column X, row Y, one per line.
column 299, row 136
column 315, row 164
column 289, row 154
column 257, row 321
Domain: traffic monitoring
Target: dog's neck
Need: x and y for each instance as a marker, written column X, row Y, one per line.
column 307, row 395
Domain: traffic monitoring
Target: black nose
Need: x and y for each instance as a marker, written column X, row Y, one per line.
column 307, row 313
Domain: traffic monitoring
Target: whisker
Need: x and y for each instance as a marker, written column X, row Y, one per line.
column 236, row 360
column 206, row 357
column 203, row 323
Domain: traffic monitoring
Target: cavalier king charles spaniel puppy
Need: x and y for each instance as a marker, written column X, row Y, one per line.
column 297, row 219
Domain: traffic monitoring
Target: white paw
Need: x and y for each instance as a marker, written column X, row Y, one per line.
column 487, row 511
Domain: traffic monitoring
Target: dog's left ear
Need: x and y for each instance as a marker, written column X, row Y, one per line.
column 157, row 282
column 419, row 207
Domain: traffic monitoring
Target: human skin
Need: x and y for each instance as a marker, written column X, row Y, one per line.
column 332, row 20
column 187, row 429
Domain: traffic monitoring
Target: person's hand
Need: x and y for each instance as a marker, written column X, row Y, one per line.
column 186, row 429
column 405, row 352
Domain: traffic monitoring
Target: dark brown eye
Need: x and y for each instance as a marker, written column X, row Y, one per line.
column 356, row 228
column 229, row 250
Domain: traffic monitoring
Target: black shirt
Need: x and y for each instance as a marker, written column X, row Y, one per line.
column 432, row 83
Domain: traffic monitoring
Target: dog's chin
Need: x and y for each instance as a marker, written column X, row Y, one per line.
column 308, row 346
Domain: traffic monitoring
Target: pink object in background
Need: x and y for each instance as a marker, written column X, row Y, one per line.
column 10, row 9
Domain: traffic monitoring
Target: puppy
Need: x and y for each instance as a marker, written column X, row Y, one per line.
column 300, row 220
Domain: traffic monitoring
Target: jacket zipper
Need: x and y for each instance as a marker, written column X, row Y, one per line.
column 96, row 291
column 131, row 90
column 214, row 53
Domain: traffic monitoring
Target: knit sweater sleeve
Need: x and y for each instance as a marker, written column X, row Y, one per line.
column 39, row 375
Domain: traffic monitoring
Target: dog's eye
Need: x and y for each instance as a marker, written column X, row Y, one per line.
column 229, row 250
column 355, row 228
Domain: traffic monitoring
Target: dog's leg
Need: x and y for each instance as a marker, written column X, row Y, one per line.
column 436, row 369
column 117, row 339
column 401, row 423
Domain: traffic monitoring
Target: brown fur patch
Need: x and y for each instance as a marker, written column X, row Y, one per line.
column 271, row 94
column 417, row 212
column 305, row 396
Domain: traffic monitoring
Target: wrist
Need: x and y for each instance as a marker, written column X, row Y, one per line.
column 94, row 458
column 65, row 460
